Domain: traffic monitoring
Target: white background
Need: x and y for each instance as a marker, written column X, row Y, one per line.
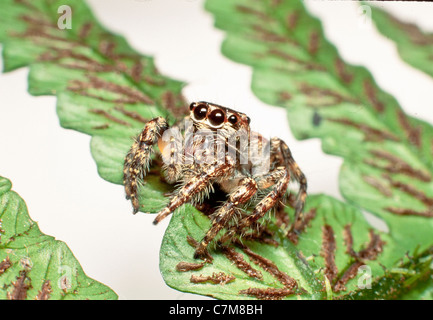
column 52, row 169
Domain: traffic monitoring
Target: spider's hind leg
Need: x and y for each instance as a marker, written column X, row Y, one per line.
column 138, row 158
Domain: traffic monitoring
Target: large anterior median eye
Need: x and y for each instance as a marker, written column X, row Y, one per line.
column 200, row 112
column 216, row 117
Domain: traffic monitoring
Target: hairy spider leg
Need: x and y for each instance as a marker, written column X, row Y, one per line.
column 279, row 178
column 196, row 185
column 246, row 189
column 138, row 158
column 268, row 202
column 299, row 176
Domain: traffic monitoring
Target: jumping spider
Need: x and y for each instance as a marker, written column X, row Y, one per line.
column 184, row 164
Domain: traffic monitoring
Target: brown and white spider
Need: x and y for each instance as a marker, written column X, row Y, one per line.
column 214, row 147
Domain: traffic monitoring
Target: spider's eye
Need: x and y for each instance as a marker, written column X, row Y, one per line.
column 200, row 112
column 191, row 106
column 216, row 117
column 233, row 119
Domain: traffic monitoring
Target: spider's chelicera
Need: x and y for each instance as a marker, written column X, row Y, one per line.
column 214, row 147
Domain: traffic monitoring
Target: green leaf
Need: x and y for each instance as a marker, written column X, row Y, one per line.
column 104, row 87
column 267, row 267
column 414, row 45
column 34, row 265
column 410, row 280
column 388, row 160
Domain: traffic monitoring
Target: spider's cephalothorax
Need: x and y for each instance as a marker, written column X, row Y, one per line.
column 211, row 147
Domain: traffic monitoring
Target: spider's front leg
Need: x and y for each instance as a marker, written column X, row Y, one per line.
column 247, row 188
column 195, row 185
column 138, row 158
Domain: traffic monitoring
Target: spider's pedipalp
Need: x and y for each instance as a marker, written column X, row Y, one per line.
column 138, row 158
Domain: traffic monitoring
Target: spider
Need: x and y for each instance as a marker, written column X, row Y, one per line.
column 221, row 157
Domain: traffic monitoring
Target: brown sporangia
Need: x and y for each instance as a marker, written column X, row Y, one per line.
column 81, row 88
column 266, row 35
column 107, row 47
column 109, row 116
column 284, row 96
column 271, row 268
column 373, row 248
column 396, row 165
column 413, row 31
column 20, row 287
column 371, row 134
column 413, row 134
column 257, row 13
column 328, row 252
column 348, row 240
column 334, row 97
column 290, row 284
column 369, row 253
column 276, row 3
column 131, row 114
column 46, row 290
column 288, row 57
column 81, row 61
column 216, row 278
column 128, row 92
column 378, row 185
column 39, row 28
column 292, row 20
column 313, row 43
column 370, row 92
column 137, row 70
column 176, row 104
column 340, row 68
column 238, row 260
column 184, row 266
column 153, row 81
column 410, row 190
column 101, row 127
column 410, row 212
column 26, row 3
column 349, row 274
column 268, row 293
column 4, row 265
column 85, row 30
